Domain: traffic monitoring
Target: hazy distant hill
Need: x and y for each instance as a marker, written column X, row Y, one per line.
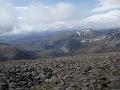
column 8, row 52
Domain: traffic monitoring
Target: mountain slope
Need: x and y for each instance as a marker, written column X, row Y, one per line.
column 69, row 42
column 8, row 52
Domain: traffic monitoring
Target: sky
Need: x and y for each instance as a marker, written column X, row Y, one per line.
column 21, row 16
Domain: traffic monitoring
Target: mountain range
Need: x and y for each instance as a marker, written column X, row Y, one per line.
column 59, row 43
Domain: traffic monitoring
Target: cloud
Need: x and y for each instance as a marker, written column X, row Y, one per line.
column 106, row 15
column 38, row 13
column 110, row 19
column 59, row 16
column 7, row 17
column 42, row 17
column 105, row 5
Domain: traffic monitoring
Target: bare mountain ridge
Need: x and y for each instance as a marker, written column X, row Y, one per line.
column 69, row 42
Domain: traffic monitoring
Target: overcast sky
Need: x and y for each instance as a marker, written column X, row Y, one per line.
column 19, row 16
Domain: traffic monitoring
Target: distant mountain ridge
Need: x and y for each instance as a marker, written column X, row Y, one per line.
column 69, row 42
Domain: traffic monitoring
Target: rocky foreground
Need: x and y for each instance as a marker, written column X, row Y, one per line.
column 86, row 72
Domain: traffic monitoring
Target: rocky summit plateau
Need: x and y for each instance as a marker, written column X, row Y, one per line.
column 81, row 72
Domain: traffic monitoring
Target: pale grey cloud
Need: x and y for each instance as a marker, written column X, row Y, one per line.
column 7, row 17
column 60, row 16
column 40, row 14
column 110, row 19
column 40, row 17
column 105, row 5
column 106, row 15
